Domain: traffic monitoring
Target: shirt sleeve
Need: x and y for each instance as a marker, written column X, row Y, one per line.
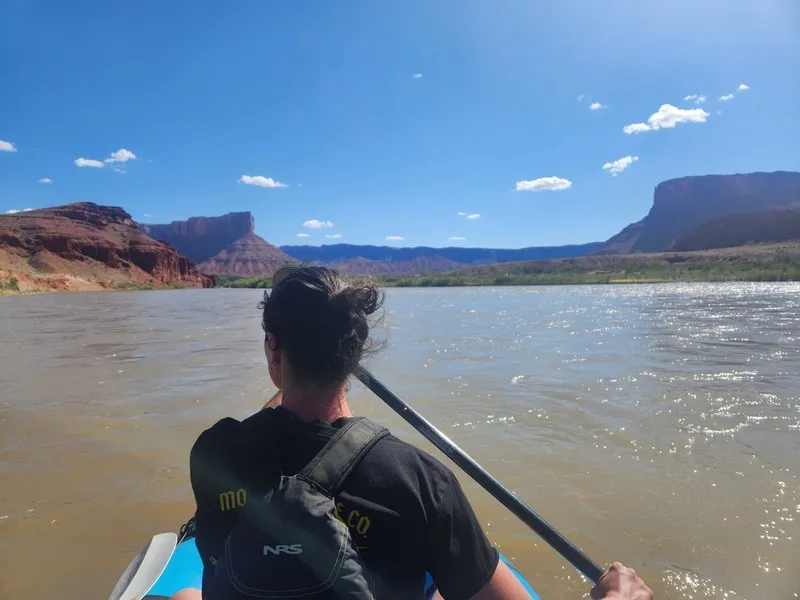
column 461, row 558
column 211, row 476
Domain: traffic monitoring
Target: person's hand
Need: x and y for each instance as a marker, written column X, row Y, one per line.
column 620, row 583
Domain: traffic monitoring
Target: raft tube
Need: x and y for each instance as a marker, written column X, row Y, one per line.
column 185, row 569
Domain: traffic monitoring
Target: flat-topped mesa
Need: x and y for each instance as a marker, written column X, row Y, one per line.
column 201, row 238
column 682, row 204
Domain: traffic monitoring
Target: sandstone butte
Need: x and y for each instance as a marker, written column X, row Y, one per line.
column 84, row 247
column 224, row 245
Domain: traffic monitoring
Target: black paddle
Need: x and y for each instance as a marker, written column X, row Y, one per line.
column 547, row 532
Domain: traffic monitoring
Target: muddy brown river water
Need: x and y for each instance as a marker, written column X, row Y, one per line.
column 658, row 425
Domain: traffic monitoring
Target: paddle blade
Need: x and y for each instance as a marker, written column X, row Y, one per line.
column 145, row 568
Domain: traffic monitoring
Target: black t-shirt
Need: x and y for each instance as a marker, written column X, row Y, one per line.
column 405, row 510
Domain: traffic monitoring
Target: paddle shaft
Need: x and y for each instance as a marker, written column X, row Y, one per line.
column 526, row 514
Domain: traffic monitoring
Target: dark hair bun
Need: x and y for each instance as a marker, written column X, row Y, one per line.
column 321, row 320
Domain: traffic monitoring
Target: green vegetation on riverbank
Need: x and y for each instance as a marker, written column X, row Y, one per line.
column 779, row 262
column 10, row 285
column 247, row 282
column 686, row 272
column 640, row 270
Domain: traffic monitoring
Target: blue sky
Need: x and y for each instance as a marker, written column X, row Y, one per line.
column 392, row 119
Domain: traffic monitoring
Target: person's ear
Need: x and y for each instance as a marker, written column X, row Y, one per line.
column 274, row 359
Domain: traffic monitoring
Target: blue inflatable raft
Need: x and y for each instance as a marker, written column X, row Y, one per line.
column 169, row 564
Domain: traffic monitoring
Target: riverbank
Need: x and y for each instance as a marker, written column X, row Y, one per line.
column 774, row 262
column 768, row 262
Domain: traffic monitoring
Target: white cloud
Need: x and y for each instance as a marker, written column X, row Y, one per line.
column 395, row 238
column 457, row 238
column 726, row 97
column 697, row 98
column 12, row 211
column 474, row 216
column 618, row 166
column 315, row 224
column 636, row 128
column 333, row 236
column 742, row 87
column 45, row 180
column 27, row 209
column 596, row 106
column 266, row 182
column 120, row 156
column 303, row 235
column 552, row 184
column 7, row 146
column 417, row 76
column 666, row 117
column 580, row 98
column 89, row 162
column 147, row 216
column 462, row 214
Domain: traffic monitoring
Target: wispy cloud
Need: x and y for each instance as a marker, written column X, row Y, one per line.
column 474, row 216
column 27, row 209
column 696, row 98
column 333, row 236
column 551, row 184
column 7, row 146
column 120, row 156
column 618, row 166
column 742, row 87
column 303, row 235
column 596, row 106
column 260, row 181
column 666, row 117
column 726, row 97
column 395, row 238
column 89, row 162
column 417, row 76
column 148, row 216
column 12, row 211
column 462, row 214
column 315, row 224
column 457, row 238
column 45, row 180
column 580, row 98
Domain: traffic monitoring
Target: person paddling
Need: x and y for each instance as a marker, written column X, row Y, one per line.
column 399, row 511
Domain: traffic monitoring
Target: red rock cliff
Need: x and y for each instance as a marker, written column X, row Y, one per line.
column 201, row 238
column 681, row 204
column 93, row 242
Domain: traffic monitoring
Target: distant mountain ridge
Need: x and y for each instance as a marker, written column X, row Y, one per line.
column 684, row 203
column 335, row 253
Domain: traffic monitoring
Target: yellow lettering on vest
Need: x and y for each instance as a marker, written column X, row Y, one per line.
column 354, row 514
column 363, row 525
column 230, row 499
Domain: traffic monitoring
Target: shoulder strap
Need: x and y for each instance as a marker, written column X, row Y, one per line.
column 342, row 453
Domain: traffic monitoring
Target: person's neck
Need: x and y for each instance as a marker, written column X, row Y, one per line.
column 312, row 402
